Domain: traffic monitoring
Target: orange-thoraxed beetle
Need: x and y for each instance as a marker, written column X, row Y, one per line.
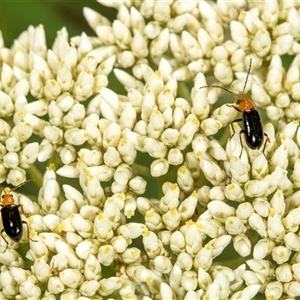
column 11, row 216
column 253, row 129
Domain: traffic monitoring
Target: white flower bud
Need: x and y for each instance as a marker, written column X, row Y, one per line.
column 251, row 277
column 11, row 160
column 55, row 285
column 262, row 207
column 12, row 145
column 234, row 225
column 188, row 206
column 239, row 34
column 274, row 290
column 191, row 46
column 160, row 43
column 112, row 157
column 29, row 290
column 41, row 270
column 36, row 84
column 292, row 241
column 282, row 44
column 154, row 148
column 263, row 248
column 138, row 185
column 284, row 273
column 128, row 117
column 292, row 288
column 199, row 144
column 106, row 255
column 257, row 223
column 239, row 171
column 83, row 87
column 52, row 89
column 5, row 130
column 131, row 230
column 220, row 210
column 89, row 288
column 201, row 106
column 281, row 254
column 74, row 117
column 204, row 258
column 242, row 245
column 130, row 255
column 49, row 195
column 261, row 43
column 223, row 73
column 129, row 82
column 275, row 227
column 8, row 283
column 71, row 278
column 111, row 135
column 234, row 192
column 175, row 157
column 29, row 155
column 22, row 132
column 119, row 244
column 92, row 268
column 256, row 188
column 6, row 106
column 210, row 126
column 185, row 179
column 64, row 102
column 76, row 136
column 64, row 77
column 86, row 248
column 189, row 280
column 206, row 43
column 274, row 113
column 177, row 242
column 123, row 174
column 83, row 227
column 53, row 134
column 16, row 176
column 212, row 171
column 247, row 293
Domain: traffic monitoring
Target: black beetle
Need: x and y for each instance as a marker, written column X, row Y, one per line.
column 253, row 129
column 11, row 216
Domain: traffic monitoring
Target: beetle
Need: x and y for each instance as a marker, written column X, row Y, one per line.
column 11, row 216
column 252, row 124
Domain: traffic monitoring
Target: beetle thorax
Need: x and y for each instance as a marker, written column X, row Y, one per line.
column 7, row 197
column 245, row 104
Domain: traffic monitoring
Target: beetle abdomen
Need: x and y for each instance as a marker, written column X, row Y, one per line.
column 12, row 222
column 254, row 134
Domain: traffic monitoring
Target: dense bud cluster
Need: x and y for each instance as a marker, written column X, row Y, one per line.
column 160, row 205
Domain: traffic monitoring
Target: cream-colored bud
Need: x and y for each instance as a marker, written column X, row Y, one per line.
column 263, row 248
column 282, row 44
column 281, row 254
column 160, row 44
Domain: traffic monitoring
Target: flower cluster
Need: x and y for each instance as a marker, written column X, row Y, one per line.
column 161, row 204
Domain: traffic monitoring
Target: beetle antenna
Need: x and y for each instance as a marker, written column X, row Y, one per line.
column 247, row 76
column 227, row 90
column 221, row 87
column 24, row 182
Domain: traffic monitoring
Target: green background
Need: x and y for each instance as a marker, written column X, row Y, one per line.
column 16, row 16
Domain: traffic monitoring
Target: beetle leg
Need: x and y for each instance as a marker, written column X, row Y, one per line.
column 241, row 132
column 265, row 144
column 4, row 240
column 234, row 121
column 20, row 206
column 24, row 222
